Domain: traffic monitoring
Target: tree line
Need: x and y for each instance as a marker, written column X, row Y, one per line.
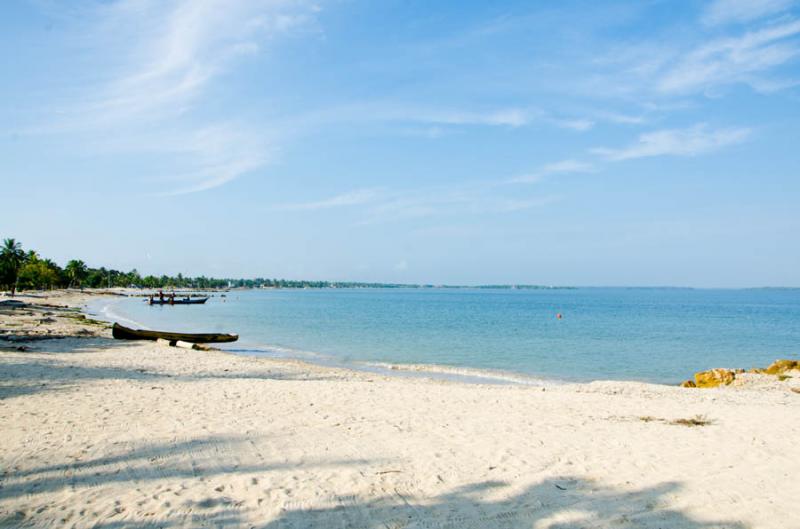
column 21, row 270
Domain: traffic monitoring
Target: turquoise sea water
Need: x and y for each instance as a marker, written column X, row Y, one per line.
column 656, row 335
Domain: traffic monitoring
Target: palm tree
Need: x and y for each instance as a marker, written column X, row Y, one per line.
column 76, row 271
column 11, row 259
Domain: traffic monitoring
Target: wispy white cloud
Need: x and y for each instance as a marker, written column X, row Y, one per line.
column 560, row 167
column 158, row 61
column 442, row 115
column 732, row 59
column 512, row 117
column 692, row 141
column 739, row 11
column 618, row 117
column 213, row 156
column 461, row 201
column 522, row 204
column 171, row 51
column 580, row 125
column 350, row 198
column 382, row 206
column 694, row 60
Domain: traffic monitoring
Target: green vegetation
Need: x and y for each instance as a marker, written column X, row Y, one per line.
column 76, row 270
column 28, row 271
column 11, row 261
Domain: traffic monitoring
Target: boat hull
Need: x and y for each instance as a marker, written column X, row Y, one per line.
column 166, row 301
column 124, row 333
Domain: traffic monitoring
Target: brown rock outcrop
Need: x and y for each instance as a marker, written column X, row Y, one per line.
column 713, row 378
column 781, row 366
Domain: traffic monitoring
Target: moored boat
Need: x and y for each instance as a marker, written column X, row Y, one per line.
column 176, row 301
column 121, row 332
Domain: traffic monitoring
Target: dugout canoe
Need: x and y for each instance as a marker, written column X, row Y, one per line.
column 121, row 332
column 177, row 301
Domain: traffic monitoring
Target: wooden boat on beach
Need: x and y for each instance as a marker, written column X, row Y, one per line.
column 124, row 333
column 177, row 301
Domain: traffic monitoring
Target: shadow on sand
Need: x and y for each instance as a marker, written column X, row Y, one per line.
column 200, row 458
column 555, row 504
column 31, row 373
column 567, row 503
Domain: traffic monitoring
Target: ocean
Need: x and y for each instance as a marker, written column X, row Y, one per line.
column 660, row 335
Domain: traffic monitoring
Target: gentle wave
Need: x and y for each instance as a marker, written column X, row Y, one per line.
column 488, row 375
column 436, row 371
column 105, row 311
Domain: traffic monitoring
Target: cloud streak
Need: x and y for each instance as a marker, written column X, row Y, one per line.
column 351, row 198
column 739, row 11
column 731, row 60
column 172, row 56
column 696, row 60
column 161, row 59
column 561, row 167
column 692, row 141
column 382, row 206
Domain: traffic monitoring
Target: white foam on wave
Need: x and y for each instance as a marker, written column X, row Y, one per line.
column 277, row 351
column 105, row 311
column 492, row 376
column 434, row 371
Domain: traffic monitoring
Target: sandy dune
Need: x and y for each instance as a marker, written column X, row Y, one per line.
column 105, row 434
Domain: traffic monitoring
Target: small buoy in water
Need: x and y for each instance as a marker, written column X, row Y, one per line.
column 559, row 316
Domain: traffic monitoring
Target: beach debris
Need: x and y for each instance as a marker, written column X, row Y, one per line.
column 697, row 420
column 714, row 377
column 688, row 384
column 182, row 344
column 796, row 390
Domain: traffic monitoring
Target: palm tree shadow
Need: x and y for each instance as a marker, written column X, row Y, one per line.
column 568, row 503
column 555, row 503
column 196, row 458
column 35, row 373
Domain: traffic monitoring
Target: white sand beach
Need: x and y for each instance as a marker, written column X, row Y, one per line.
column 99, row 433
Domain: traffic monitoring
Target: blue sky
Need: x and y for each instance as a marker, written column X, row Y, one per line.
column 577, row 143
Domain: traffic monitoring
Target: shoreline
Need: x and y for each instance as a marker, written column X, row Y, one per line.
column 465, row 373
column 80, row 300
column 433, row 371
column 105, row 434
